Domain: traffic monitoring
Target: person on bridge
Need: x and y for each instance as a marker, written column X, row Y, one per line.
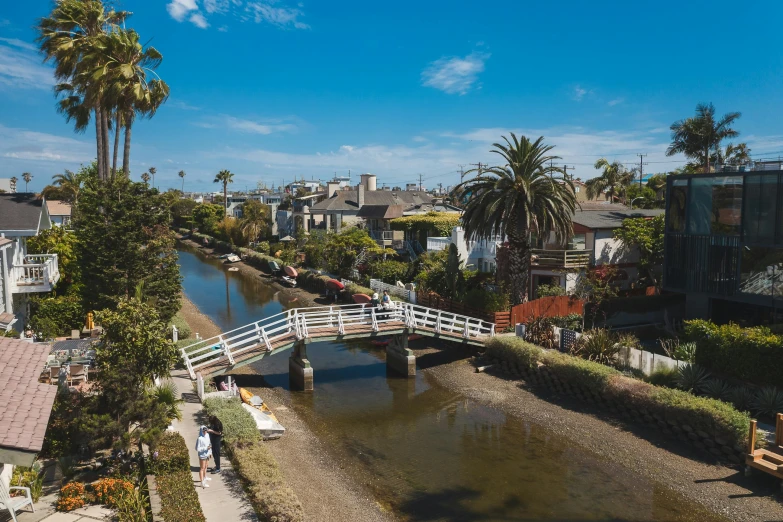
column 375, row 300
column 386, row 301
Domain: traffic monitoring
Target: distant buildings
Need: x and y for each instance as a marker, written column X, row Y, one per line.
column 7, row 185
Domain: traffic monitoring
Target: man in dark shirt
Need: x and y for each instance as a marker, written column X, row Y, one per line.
column 215, row 436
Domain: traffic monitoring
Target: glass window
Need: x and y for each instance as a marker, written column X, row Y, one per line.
column 762, row 271
column 677, row 200
column 577, row 242
column 700, row 206
column 761, row 197
column 715, row 205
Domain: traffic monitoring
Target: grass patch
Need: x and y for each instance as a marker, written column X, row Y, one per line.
column 169, row 455
column 178, row 498
column 183, row 329
column 238, row 425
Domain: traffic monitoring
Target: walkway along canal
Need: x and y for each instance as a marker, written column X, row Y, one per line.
column 427, row 452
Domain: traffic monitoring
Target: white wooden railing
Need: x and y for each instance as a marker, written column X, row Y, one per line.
column 280, row 331
column 438, row 243
column 39, row 272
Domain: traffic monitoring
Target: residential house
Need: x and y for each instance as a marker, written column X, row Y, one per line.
column 22, row 215
column 724, row 244
column 8, row 185
column 476, row 255
column 59, row 213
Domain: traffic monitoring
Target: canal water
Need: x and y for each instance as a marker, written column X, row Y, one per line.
column 432, row 454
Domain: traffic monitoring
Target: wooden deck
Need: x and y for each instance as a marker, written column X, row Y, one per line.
column 769, row 460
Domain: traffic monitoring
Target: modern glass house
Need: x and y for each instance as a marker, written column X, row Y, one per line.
column 724, row 245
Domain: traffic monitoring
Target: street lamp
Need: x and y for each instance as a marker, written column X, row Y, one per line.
column 634, row 199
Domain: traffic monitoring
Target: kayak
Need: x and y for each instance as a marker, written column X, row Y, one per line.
column 273, row 267
column 266, row 422
column 361, row 298
column 290, row 271
column 334, row 284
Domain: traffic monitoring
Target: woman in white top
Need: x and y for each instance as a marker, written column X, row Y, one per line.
column 204, row 450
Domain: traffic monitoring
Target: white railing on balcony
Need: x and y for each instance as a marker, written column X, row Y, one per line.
column 560, row 258
column 38, row 273
column 438, row 243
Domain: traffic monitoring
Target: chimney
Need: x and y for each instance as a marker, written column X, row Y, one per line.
column 360, row 197
column 331, row 188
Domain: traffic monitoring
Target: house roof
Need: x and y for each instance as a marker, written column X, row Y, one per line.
column 25, row 404
column 58, row 208
column 611, row 217
column 4, row 241
column 21, row 211
column 347, row 199
column 380, row 211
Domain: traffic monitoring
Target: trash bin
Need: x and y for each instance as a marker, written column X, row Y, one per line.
column 519, row 329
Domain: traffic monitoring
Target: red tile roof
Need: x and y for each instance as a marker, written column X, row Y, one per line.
column 25, row 404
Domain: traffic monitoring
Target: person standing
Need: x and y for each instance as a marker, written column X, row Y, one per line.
column 215, row 437
column 204, row 450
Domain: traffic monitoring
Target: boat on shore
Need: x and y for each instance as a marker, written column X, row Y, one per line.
column 266, row 422
column 232, row 258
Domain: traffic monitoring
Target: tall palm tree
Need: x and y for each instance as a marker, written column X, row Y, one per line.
column 255, row 219
column 699, row 136
column 524, row 194
column 613, row 180
column 182, row 175
column 27, row 177
column 145, row 177
column 153, row 170
column 225, row 177
column 732, row 155
column 14, row 181
column 69, row 183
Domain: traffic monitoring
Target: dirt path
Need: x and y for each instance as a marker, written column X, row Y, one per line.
column 722, row 490
column 326, row 492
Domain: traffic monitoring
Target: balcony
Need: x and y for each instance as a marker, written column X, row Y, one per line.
column 388, row 238
column 39, row 273
column 559, row 258
column 438, row 243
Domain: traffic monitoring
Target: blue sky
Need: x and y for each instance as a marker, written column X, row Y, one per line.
column 274, row 89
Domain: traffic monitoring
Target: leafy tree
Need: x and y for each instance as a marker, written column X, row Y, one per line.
column 182, row 212
column 613, row 180
column 643, row 197
column 700, row 136
column 255, row 219
column 657, row 183
column 181, row 174
column 225, row 177
column 732, row 155
column 229, row 229
column 51, row 317
column 549, row 290
column 27, row 177
column 389, row 271
column 646, row 235
column 70, row 184
column 348, row 248
column 58, row 240
column 316, row 249
column 206, row 217
column 524, row 194
column 123, row 240
column 595, row 286
column 145, row 177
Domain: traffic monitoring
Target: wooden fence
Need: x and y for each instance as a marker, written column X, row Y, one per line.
column 502, row 320
column 546, row 307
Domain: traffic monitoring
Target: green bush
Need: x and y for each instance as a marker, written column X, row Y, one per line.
column 260, row 261
column 389, row 271
column 549, row 291
column 170, row 455
column 515, row 351
column 569, row 322
column 311, row 280
column 55, row 316
column 749, row 354
column 238, row 424
column 183, row 329
column 485, row 300
column 178, row 498
column 586, row 374
column 666, row 377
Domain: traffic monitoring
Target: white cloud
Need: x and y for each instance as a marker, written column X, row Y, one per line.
column 198, row 20
column 223, row 29
column 263, row 126
column 179, row 9
column 578, row 93
column 26, row 145
column 21, row 67
column 454, row 75
column 216, row 6
column 616, row 101
column 265, row 11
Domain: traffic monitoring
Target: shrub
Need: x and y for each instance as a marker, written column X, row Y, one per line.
column 598, row 345
column 742, row 397
column 169, row 455
column 71, row 497
column 486, row 300
column 749, row 354
column 515, row 351
column 716, row 388
column 691, row 377
column 183, row 329
column 569, row 322
column 178, row 498
column 437, row 224
column 586, row 374
column 109, row 491
column 768, row 401
column 549, row 290
column 685, row 352
column 666, row 377
column 238, row 424
column 28, row 478
column 539, row 331
column 262, row 247
column 133, row 506
column 389, row 271
column 55, row 316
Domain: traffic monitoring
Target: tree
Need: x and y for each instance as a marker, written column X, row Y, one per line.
column 152, row 171
column 348, row 248
column 523, row 195
column 225, row 177
column 123, row 240
column 27, row 177
column 69, row 183
column 614, row 179
column 182, row 212
column 646, row 235
column 595, row 286
column 657, row 183
column 701, row 135
column 732, row 155
column 145, row 177
column 14, row 181
column 255, row 219
column 58, row 240
column 206, row 217
column 182, row 176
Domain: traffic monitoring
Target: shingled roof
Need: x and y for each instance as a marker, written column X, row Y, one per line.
column 20, row 211
column 348, row 199
column 612, row 217
column 25, row 404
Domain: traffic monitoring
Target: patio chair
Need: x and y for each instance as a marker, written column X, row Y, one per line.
column 14, row 504
column 54, row 374
column 78, row 373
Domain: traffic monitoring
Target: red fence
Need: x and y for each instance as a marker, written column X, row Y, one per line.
column 546, row 307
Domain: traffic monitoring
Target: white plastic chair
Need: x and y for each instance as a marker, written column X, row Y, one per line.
column 14, row 504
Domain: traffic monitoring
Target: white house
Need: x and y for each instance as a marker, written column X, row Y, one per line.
column 22, row 216
column 476, row 255
column 59, row 212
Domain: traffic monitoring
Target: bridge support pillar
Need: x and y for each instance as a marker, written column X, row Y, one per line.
column 399, row 357
column 300, row 374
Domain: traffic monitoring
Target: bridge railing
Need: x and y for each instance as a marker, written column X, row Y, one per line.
column 447, row 322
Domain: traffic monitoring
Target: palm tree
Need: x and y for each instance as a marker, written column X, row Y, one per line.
column 702, row 134
column 732, row 155
column 657, row 183
column 182, row 175
column 612, row 180
column 153, row 170
column 14, row 181
column 69, row 183
column 27, row 177
column 145, row 177
column 225, row 177
column 255, row 219
column 525, row 194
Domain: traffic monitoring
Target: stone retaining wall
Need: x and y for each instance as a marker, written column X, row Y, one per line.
column 542, row 377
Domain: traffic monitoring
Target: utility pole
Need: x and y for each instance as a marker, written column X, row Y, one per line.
column 641, row 168
column 420, row 178
column 479, row 166
column 461, row 173
column 566, row 168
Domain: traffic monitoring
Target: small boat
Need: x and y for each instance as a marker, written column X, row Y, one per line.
column 334, row 284
column 274, row 267
column 233, row 269
column 290, row 271
column 290, row 281
column 266, row 422
column 361, row 298
column 223, row 256
column 232, row 258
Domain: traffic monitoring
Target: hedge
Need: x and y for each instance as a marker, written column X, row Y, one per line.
column 170, row 455
column 183, row 329
column 708, row 415
column 272, row 499
column 178, row 498
column 440, row 223
column 750, row 354
column 258, row 260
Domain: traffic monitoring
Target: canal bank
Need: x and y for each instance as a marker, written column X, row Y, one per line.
column 456, row 445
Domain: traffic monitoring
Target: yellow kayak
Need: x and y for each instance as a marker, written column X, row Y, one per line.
column 256, row 402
